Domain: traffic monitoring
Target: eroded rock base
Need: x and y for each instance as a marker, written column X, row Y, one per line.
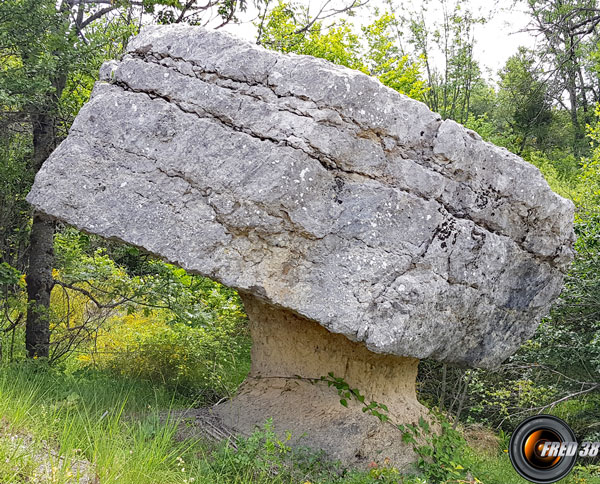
column 287, row 350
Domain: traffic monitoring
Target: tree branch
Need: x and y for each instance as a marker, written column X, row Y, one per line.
column 100, row 13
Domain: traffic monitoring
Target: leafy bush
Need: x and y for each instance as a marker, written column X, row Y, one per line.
column 263, row 455
column 210, row 361
column 145, row 318
column 439, row 451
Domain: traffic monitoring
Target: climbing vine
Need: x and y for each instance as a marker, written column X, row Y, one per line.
column 436, row 452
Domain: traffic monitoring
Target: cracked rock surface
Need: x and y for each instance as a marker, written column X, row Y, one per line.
column 316, row 189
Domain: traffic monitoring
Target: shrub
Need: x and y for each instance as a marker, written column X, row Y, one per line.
column 210, row 361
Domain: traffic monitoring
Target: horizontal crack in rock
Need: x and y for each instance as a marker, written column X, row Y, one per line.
column 330, row 164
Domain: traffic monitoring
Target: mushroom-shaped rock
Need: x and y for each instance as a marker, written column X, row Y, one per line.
column 362, row 231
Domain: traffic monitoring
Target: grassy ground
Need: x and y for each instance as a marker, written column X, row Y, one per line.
column 57, row 428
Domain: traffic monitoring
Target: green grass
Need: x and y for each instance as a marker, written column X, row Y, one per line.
column 69, row 418
column 50, row 421
column 499, row 470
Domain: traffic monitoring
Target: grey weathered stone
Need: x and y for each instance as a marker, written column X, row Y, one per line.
column 317, row 189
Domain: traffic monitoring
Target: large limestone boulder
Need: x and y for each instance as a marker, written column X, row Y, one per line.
column 331, row 202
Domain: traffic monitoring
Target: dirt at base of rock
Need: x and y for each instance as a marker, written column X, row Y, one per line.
column 322, row 424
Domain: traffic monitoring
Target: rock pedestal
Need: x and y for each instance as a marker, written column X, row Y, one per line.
column 289, row 352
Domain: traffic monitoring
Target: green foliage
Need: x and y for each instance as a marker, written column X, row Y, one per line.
column 126, row 429
column 523, row 104
column 161, row 324
column 438, row 446
column 337, row 44
column 36, row 44
column 573, row 326
column 439, row 451
column 15, row 180
column 9, row 276
column 49, row 66
column 449, row 88
column 202, row 362
column 561, row 171
column 375, row 53
column 570, row 38
column 12, row 309
column 488, row 130
column 263, row 456
column 385, row 60
column 558, row 370
column 147, row 323
column 346, row 393
column 591, row 171
column 495, row 399
column 144, row 283
column 263, row 452
column 83, row 417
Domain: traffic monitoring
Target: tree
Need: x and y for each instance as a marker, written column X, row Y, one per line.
column 384, row 59
column 34, row 38
column 302, row 19
column 375, row 52
column 569, row 29
column 449, row 87
column 49, row 50
column 524, row 106
column 282, row 30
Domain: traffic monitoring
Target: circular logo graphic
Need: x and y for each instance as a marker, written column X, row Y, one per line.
column 543, row 449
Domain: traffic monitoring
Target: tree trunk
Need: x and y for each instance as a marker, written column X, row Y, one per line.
column 578, row 134
column 584, row 100
column 39, row 285
column 41, row 252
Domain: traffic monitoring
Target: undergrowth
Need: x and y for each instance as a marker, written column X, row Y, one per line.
column 56, row 428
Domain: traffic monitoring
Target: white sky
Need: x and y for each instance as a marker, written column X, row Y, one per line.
column 496, row 41
column 500, row 37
